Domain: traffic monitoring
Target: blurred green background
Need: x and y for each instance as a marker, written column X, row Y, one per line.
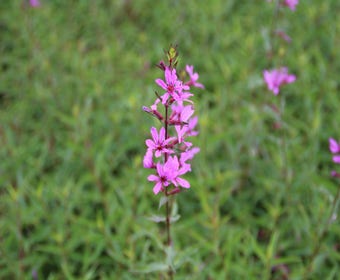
column 74, row 198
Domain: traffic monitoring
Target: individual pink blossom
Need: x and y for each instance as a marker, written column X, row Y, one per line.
column 291, row 4
column 165, row 174
column 34, row 3
column 169, row 173
column 193, row 77
column 276, row 78
column 177, row 171
column 334, row 147
column 173, row 86
column 181, row 134
column 158, row 142
column 180, row 114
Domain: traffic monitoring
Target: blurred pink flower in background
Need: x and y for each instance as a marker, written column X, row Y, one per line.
column 291, row 4
column 34, row 3
column 276, row 78
column 334, row 147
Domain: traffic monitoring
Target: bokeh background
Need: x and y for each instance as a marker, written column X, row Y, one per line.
column 74, row 199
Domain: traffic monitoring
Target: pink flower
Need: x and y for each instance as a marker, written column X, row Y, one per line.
column 180, row 114
column 291, row 4
column 191, row 125
column 34, row 3
column 178, row 171
column 334, row 147
column 165, row 174
column 193, row 77
column 172, row 85
column 276, row 78
column 169, row 173
column 158, row 142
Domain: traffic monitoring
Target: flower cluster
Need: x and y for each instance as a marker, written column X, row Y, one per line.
column 168, row 151
column 334, row 147
column 278, row 77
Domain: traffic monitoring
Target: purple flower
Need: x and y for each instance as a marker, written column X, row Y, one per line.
column 276, row 78
column 193, row 77
column 172, row 86
column 34, row 3
column 158, row 142
column 167, row 151
column 165, row 174
column 291, row 4
column 180, row 114
column 334, row 147
column 178, row 171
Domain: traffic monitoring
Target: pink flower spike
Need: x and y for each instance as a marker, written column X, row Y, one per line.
column 158, row 142
column 193, row 77
column 291, row 4
column 34, row 3
column 276, row 78
column 334, row 146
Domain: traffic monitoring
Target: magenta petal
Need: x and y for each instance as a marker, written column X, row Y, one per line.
column 184, row 183
column 154, row 134
column 161, row 135
column 161, row 83
column 157, row 188
column 150, row 144
column 153, row 178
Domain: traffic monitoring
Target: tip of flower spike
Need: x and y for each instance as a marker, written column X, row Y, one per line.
column 172, row 56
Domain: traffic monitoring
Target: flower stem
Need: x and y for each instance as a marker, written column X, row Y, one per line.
column 167, row 204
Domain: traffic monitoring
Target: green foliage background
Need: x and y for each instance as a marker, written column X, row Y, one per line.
column 74, row 198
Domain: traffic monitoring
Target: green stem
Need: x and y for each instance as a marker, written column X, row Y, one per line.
column 322, row 235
